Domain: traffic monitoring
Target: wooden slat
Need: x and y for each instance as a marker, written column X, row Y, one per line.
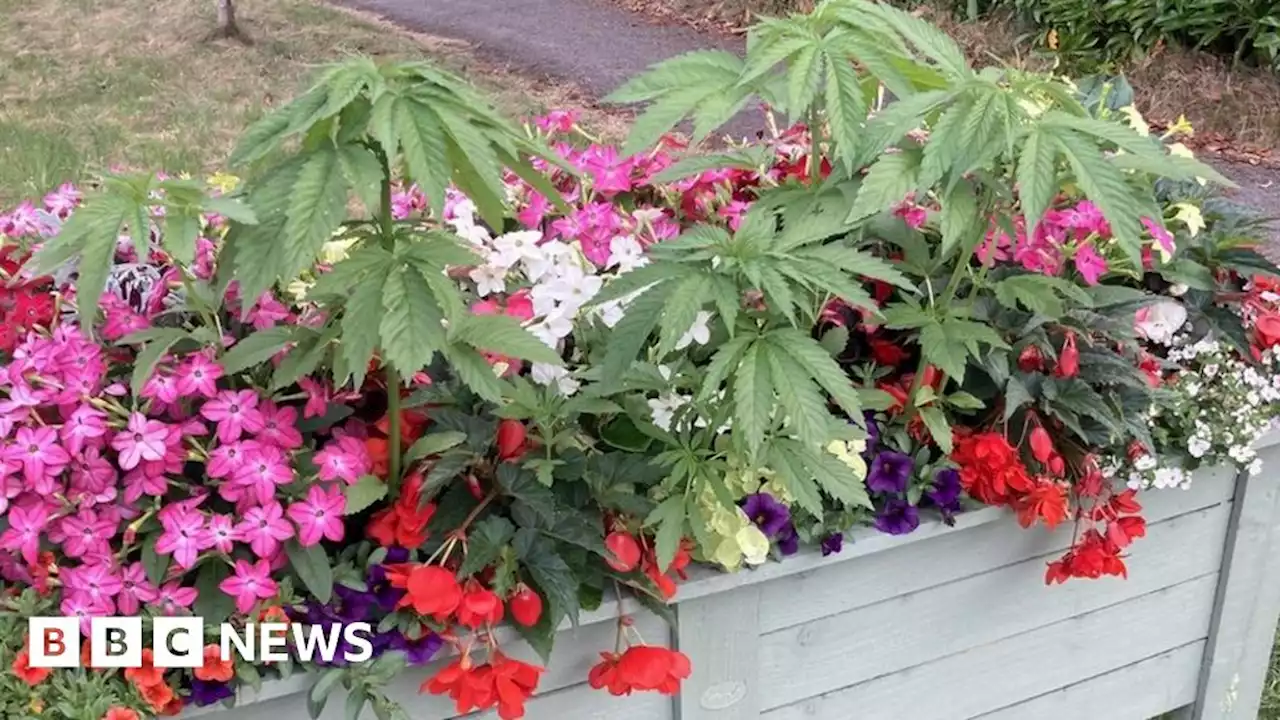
column 1244, row 619
column 1112, row 695
column 909, row 630
column 989, row 677
column 581, row 702
column 719, row 634
column 575, row 653
column 942, row 559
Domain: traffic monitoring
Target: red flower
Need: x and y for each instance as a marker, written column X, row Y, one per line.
column 405, row 522
column 990, row 469
column 513, row 682
column 1126, row 502
column 1068, row 358
column 1041, row 444
column 1092, row 557
column 526, row 606
column 624, row 552
column 412, row 423
column 119, row 713
column 429, row 589
column 511, row 440
column 1267, row 329
column 887, row 353
column 1047, row 501
column 215, row 669
column 1150, row 366
column 1122, row 531
column 1030, row 359
column 380, row 452
column 27, row 674
column 641, row 667
column 479, row 607
column 158, row 696
column 665, row 584
column 147, row 674
column 470, row 687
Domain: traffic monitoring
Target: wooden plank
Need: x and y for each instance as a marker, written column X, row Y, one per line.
column 989, row 677
column 1112, row 695
column 912, row 629
column 575, row 653
column 720, row 634
column 1248, row 603
column 581, row 702
column 938, row 560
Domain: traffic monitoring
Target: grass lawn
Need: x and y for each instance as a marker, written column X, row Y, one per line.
column 87, row 84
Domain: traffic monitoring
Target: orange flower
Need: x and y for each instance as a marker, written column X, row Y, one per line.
column 1046, row 501
column 29, row 675
column 158, row 696
column 119, row 713
column 215, row 668
column 147, row 675
column 273, row 614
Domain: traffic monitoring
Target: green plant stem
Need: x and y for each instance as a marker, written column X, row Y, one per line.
column 393, row 442
column 943, row 301
column 815, row 148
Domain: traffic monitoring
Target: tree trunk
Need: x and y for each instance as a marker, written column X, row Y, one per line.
column 227, row 27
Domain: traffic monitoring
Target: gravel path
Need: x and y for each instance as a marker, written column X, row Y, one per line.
column 598, row 45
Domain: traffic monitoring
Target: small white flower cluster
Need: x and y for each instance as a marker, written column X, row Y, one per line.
column 1221, row 406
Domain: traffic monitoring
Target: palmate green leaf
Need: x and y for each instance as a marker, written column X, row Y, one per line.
column 257, row 348
column 748, row 158
column 661, row 115
column 862, row 264
column 410, row 331
column 1037, row 177
column 949, row 355
column 803, row 73
column 846, row 108
column 928, row 39
column 631, row 333
column 806, row 410
column 1105, row 185
column 764, row 55
column 181, row 228
column 485, row 542
column 685, row 70
column 961, row 221
column 830, row 280
column 943, row 148
column 266, row 134
column 888, row 182
column 895, row 121
column 778, row 295
column 364, row 493
column 476, row 168
column 808, row 355
column 303, row 359
column 834, row 477
column 503, row 334
column 423, row 144
column 317, row 206
column 434, row 444
column 669, row 519
column 361, row 320
column 680, row 311
column 91, row 232
column 753, row 396
column 783, row 458
column 475, row 372
column 1027, row 290
column 255, row 252
column 1016, row 395
column 363, row 172
column 722, row 365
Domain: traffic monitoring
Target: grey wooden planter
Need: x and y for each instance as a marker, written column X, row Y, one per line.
column 948, row 623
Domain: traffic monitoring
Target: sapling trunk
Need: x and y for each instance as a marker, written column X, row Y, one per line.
column 386, row 227
column 227, row 26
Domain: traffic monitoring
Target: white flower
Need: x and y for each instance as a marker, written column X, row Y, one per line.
column 556, row 376
column 570, row 290
column 1198, row 446
column 1146, row 462
column 611, row 313
column 699, row 332
column 1190, row 216
column 554, row 258
column 1160, row 321
column 489, row 279
column 516, row 246
column 664, row 408
column 626, row 253
column 552, row 327
column 1255, row 467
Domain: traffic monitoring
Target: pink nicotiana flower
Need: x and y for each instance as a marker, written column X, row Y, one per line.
column 86, row 533
column 280, row 426
column 85, row 425
column 41, row 457
column 96, row 582
column 173, row 597
column 221, row 533
column 184, row 535
column 142, row 439
column 267, row 312
column 346, row 459
column 235, row 413
column 249, row 584
column 319, row 516
column 197, row 376
column 264, row 470
column 135, row 590
column 264, row 528
column 1089, row 263
column 25, row 528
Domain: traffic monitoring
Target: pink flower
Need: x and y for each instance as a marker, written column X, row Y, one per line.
column 263, row 471
column 198, row 376
column 264, row 528
column 221, row 533
column 279, row 426
column 42, row 459
column 86, row 533
column 96, row 581
column 85, row 423
column 533, row 212
column 319, row 395
column 142, row 439
column 557, row 121
column 912, row 214
column 249, row 584
column 319, row 516
column 161, row 387
column 225, row 460
column 1089, row 263
column 80, row 605
column 184, row 535
column 173, row 597
column 62, row 201
column 25, row 527
column 345, row 458
column 1162, row 237
column 135, row 590
column 610, row 175
column 235, row 412
column 267, row 312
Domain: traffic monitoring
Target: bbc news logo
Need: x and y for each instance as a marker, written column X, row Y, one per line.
column 179, row 642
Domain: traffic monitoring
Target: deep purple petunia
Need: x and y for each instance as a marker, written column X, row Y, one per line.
column 897, row 517
column 832, row 544
column 945, row 493
column 207, row 693
column 768, row 514
column 890, row 472
column 788, row 540
column 873, row 431
column 420, row 651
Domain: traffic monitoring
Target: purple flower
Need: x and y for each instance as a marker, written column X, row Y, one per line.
column 788, row 540
column 832, row 544
column 890, row 472
column 207, row 693
column 768, row 514
column 945, row 492
column 873, row 430
column 897, row 517
column 420, row 651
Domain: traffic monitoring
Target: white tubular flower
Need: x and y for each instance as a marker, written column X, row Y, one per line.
column 555, row 376
column 700, row 332
column 571, row 290
column 552, row 328
column 626, row 253
column 552, row 258
column 518, row 246
column 1159, row 322
column 489, row 279
column 611, row 313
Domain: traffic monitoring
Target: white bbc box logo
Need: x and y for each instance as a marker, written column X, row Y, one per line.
column 116, row 642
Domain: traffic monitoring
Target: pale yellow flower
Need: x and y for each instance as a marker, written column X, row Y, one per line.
column 850, row 453
column 727, row 554
column 223, row 182
column 1190, row 216
column 754, row 545
column 298, row 289
column 1136, row 120
column 335, row 251
column 1180, row 128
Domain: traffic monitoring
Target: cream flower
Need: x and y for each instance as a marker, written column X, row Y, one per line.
column 1190, row 216
column 1136, row 120
column 754, row 545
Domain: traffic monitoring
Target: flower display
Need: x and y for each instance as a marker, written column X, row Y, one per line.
column 450, row 382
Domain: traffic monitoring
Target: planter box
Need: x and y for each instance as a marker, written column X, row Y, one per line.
column 947, row 623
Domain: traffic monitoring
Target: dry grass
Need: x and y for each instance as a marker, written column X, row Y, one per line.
column 86, row 84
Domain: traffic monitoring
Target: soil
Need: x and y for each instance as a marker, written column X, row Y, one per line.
column 598, row 44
